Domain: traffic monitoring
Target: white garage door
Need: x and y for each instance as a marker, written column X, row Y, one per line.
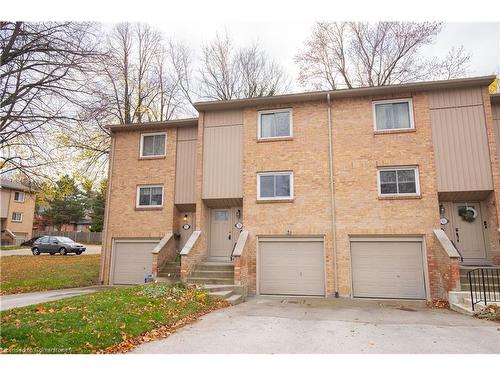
column 387, row 269
column 132, row 260
column 292, row 266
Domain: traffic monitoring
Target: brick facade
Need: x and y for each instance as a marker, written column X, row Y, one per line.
column 358, row 151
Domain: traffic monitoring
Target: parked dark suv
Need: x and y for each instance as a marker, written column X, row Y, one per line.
column 56, row 244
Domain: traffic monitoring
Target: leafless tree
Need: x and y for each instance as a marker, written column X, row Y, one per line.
column 43, row 66
column 351, row 54
column 230, row 73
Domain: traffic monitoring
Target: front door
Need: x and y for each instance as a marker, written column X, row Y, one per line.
column 220, row 233
column 468, row 230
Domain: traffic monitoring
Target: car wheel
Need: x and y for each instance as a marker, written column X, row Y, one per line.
column 62, row 251
column 78, row 252
column 35, row 251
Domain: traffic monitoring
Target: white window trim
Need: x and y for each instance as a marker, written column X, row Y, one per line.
column 17, row 221
column 142, row 144
column 277, row 110
column 21, row 200
column 417, row 181
column 260, row 174
column 139, row 187
column 403, row 100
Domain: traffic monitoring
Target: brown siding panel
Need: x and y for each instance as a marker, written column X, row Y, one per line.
column 222, row 162
column 185, row 179
column 455, row 98
column 222, row 118
column 460, row 141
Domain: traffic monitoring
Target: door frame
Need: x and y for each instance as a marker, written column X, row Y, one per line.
column 392, row 238
column 287, row 238
column 232, row 220
column 484, row 217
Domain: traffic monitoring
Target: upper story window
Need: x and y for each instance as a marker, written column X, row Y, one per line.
column 149, row 196
column 17, row 216
column 153, row 145
column 19, row 196
column 275, row 185
column 392, row 115
column 400, row 181
column 276, row 123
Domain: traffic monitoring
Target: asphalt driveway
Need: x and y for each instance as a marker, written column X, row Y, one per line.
column 298, row 325
column 91, row 250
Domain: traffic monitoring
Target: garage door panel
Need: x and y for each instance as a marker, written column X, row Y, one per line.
column 388, row 270
column 132, row 261
column 291, row 268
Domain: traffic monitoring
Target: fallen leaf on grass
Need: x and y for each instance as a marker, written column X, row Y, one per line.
column 158, row 333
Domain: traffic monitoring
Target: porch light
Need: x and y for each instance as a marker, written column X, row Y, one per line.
column 442, row 210
column 185, row 218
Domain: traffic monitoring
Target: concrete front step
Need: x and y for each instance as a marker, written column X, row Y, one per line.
column 208, row 274
column 215, row 266
column 204, row 280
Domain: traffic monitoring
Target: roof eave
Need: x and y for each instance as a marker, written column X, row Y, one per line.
column 154, row 125
column 345, row 93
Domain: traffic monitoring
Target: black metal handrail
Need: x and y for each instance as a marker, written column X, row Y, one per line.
column 484, row 284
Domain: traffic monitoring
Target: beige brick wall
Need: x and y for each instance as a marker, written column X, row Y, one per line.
column 128, row 171
column 358, row 151
column 307, row 156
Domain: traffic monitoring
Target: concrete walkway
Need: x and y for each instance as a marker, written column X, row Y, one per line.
column 25, row 299
column 91, row 250
column 298, row 325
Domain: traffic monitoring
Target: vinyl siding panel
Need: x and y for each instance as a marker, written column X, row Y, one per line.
column 187, row 134
column 222, row 118
column 185, row 170
column 4, row 200
column 222, row 162
column 460, row 141
column 455, row 98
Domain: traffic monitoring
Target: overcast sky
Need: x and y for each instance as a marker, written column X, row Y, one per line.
column 283, row 38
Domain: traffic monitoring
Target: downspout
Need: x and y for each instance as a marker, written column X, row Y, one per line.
column 332, row 198
column 105, row 251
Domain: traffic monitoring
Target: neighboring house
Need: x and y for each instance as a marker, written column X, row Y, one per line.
column 17, row 212
column 73, row 226
column 356, row 192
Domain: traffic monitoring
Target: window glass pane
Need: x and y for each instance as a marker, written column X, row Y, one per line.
column 406, row 181
column 148, row 145
column 282, row 185
column 282, row 121
column 267, row 125
column 221, row 215
column 45, row 240
column 159, row 147
column 388, row 183
column 156, row 196
column 144, row 196
column 401, row 115
column 392, row 116
column 266, row 186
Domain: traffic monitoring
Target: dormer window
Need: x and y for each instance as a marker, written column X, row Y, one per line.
column 276, row 123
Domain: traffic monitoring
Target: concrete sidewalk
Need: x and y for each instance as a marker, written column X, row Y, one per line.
column 25, row 299
column 91, row 250
column 271, row 325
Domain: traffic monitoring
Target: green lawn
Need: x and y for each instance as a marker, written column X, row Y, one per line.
column 14, row 247
column 28, row 273
column 110, row 321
